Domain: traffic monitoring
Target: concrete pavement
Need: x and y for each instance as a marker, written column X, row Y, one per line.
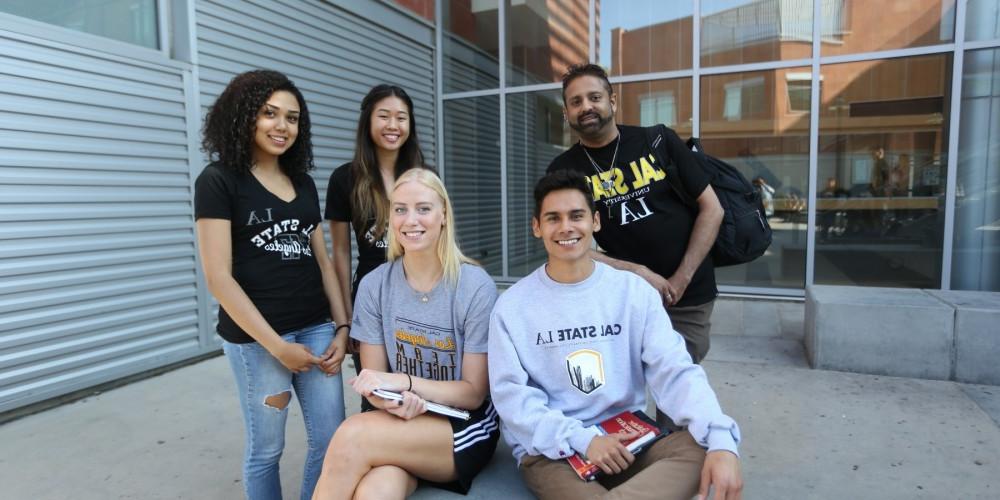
column 807, row 434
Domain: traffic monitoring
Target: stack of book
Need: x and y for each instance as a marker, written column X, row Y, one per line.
column 622, row 423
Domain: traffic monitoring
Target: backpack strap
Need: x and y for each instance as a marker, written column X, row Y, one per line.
column 655, row 138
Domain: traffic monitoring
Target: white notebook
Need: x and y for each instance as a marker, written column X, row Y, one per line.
column 441, row 409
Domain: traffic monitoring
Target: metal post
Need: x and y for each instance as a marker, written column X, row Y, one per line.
column 954, row 115
column 502, row 33
column 815, row 93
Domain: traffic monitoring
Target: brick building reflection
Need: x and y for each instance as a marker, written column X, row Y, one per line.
column 760, row 121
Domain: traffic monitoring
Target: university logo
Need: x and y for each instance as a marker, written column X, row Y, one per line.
column 289, row 245
column 586, row 370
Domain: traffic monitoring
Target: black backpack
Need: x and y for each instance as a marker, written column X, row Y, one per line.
column 744, row 234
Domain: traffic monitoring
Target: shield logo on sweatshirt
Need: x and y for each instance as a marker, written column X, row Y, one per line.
column 586, row 370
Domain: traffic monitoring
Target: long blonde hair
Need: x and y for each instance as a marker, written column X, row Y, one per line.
column 448, row 253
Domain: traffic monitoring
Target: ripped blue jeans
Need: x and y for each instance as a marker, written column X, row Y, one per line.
column 259, row 375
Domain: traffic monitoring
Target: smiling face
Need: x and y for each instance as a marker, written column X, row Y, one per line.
column 565, row 225
column 417, row 216
column 590, row 108
column 276, row 127
column 390, row 124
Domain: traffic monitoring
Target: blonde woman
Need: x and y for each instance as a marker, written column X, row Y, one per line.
column 422, row 319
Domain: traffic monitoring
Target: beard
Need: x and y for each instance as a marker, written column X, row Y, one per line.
column 593, row 127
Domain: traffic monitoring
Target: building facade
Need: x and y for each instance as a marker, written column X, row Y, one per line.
column 885, row 173
column 873, row 124
column 102, row 106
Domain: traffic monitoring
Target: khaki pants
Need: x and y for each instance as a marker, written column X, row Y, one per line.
column 669, row 469
column 693, row 323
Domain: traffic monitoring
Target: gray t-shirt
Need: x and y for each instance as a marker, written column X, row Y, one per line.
column 424, row 334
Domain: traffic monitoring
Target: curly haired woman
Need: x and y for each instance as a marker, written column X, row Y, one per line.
column 261, row 244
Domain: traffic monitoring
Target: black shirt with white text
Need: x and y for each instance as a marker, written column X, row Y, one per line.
column 642, row 219
column 273, row 261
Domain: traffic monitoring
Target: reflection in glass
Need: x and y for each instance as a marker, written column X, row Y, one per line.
column 976, row 258
column 470, row 38
column 472, row 174
column 637, row 37
column 883, row 146
column 132, row 21
column 543, row 38
column 752, row 121
column 982, row 20
column 653, row 102
column 748, row 31
column 850, row 27
column 536, row 133
column 422, row 8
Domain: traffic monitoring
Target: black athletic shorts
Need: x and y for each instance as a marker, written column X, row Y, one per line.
column 473, row 444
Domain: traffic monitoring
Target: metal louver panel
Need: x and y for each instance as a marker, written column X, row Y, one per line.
column 97, row 265
column 472, row 147
column 334, row 55
column 330, row 54
column 528, row 155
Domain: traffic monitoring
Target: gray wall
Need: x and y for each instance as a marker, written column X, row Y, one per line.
column 99, row 276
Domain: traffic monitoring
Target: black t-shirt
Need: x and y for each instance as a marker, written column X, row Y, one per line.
column 642, row 219
column 371, row 252
column 272, row 259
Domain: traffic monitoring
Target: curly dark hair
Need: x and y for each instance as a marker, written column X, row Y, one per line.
column 575, row 71
column 229, row 128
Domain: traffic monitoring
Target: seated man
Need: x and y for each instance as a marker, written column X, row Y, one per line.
column 575, row 343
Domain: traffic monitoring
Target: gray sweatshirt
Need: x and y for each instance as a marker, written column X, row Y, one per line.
column 563, row 357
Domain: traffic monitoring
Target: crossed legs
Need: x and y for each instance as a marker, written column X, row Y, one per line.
column 378, row 455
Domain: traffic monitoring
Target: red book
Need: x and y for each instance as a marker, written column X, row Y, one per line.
column 623, row 423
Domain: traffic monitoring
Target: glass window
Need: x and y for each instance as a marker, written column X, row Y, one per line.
column 536, row 133
column 744, row 98
column 747, row 121
column 976, row 251
column 748, row 31
column 637, row 37
column 543, row 38
column 799, row 91
column 982, row 20
column 422, row 8
column 657, row 101
column 132, row 21
column 850, row 27
column 470, row 40
column 881, row 178
column 658, row 108
column 472, row 174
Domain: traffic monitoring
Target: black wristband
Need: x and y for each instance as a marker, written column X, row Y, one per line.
column 410, row 388
column 345, row 325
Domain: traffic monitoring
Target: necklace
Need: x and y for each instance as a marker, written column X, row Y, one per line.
column 423, row 296
column 606, row 183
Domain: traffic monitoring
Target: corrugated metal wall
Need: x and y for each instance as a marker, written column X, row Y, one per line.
column 333, row 55
column 529, row 152
column 98, row 271
column 472, row 174
column 97, row 267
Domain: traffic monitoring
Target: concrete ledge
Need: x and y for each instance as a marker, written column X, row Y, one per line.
column 500, row 480
column 977, row 335
column 882, row 331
